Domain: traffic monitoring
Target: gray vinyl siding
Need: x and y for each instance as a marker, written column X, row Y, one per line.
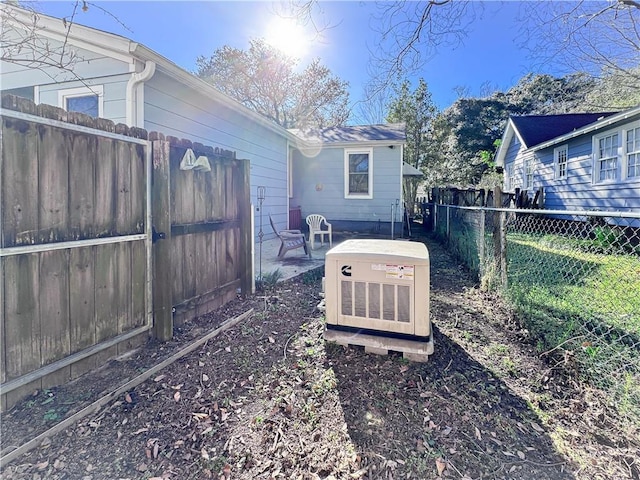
column 88, row 65
column 511, row 158
column 577, row 191
column 517, row 157
column 318, row 186
column 180, row 111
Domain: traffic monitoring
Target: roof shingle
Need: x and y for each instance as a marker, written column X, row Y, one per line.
column 536, row 129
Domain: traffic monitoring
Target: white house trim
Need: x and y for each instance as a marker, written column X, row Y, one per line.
column 370, row 174
column 85, row 91
column 102, row 43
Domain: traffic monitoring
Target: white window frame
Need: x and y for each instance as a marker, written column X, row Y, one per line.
column 597, row 159
column 352, row 151
column 561, row 161
column 508, row 177
column 527, row 174
column 93, row 90
column 634, row 127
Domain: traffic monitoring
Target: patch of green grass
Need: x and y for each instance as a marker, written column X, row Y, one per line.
column 575, row 282
column 579, row 301
column 498, row 349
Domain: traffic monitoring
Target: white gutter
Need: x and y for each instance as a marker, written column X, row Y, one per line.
column 135, row 95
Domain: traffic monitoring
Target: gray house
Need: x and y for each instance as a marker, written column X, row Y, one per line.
column 583, row 161
column 116, row 78
column 351, row 175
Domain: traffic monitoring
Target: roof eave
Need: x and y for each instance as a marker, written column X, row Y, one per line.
column 356, row 144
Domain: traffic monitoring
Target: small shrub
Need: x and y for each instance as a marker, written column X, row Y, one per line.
column 269, row 279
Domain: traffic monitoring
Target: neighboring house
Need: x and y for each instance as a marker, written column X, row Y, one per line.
column 351, row 175
column 582, row 161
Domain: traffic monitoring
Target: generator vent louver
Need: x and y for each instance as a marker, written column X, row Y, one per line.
column 376, row 301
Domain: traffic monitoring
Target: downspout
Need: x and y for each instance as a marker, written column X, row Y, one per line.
column 135, row 112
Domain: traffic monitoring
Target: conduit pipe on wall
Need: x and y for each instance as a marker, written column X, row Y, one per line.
column 135, row 97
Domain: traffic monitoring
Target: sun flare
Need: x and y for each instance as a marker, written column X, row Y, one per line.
column 288, row 37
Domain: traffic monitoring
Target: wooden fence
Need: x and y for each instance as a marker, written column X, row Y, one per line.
column 83, row 277
column 205, row 218
column 481, row 197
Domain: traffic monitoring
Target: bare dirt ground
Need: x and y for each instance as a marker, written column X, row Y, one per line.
column 269, row 399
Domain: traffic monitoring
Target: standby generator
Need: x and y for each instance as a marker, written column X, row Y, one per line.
column 377, row 296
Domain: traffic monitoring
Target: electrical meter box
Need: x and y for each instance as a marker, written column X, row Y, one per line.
column 377, row 295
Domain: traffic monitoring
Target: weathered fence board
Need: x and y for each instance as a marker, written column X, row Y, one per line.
column 82, row 191
column 138, row 284
column 124, row 217
column 163, row 277
column 53, row 174
column 106, row 294
column 82, row 302
column 22, row 314
column 105, row 187
column 54, row 306
column 189, row 266
column 138, row 188
column 123, row 287
column 19, row 184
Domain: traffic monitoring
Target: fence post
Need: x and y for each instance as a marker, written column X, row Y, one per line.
column 503, row 250
column 161, row 211
column 448, row 220
column 481, row 252
column 246, row 227
column 500, row 237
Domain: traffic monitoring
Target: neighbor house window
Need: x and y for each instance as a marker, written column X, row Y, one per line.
column 358, row 173
column 633, row 152
column 527, row 180
column 87, row 100
column 509, row 179
column 560, row 156
column 606, row 157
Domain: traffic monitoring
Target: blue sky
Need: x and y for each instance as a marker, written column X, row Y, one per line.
column 182, row 30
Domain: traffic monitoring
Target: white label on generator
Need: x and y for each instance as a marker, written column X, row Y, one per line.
column 400, row 272
column 378, row 266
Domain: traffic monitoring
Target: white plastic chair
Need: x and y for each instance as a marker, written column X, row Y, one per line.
column 315, row 223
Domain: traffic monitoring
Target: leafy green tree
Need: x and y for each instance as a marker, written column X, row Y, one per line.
column 547, row 95
column 615, row 91
column 468, row 129
column 265, row 80
column 416, row 110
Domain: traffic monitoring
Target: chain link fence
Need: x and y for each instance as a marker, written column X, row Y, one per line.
column 573, row 278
